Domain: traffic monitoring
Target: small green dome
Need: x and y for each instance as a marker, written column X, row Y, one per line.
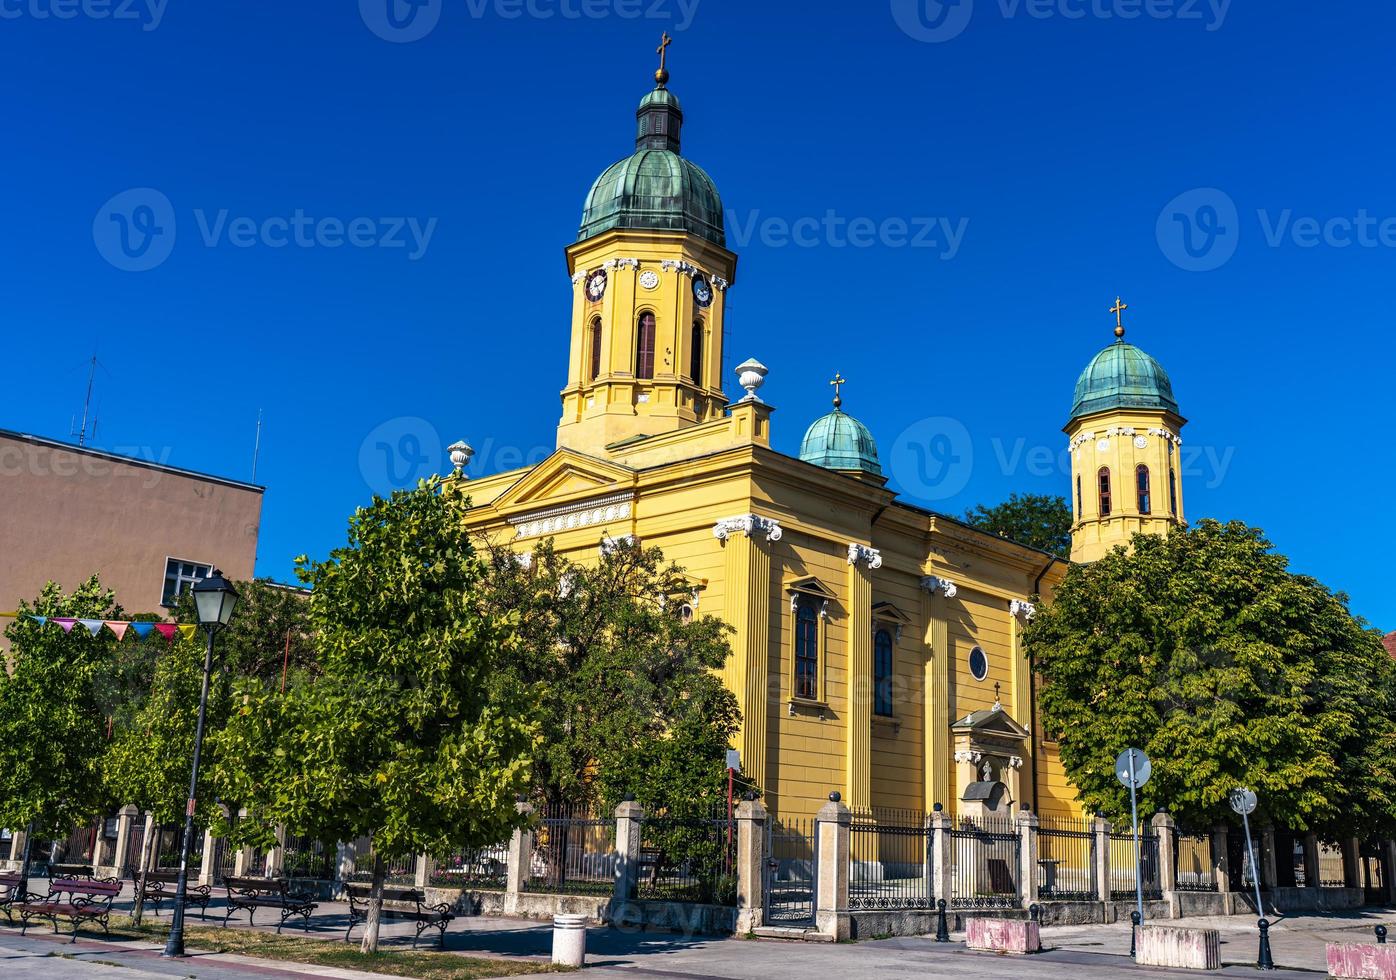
column 1123, row 376
column 838, row 441
column 655, row 187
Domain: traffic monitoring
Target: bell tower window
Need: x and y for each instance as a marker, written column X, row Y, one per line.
column 1141, row 479
column 644, row 347
column 1105, row 491
column 594, row 340
column 1173, row 491
column 695, row 366
column 1080, row 505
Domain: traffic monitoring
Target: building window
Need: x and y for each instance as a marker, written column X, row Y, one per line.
column 978, row 664
column 686, row 613
column 595, row 341
column 180, row 577
column 806, row 649
column 644, row 347
column 695, row 364
column 1080, row 507
column 882, row 673
column 1173, row 491
column 1105, row 491
column 1141, row 479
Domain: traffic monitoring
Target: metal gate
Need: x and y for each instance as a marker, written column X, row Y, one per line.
column 984, row 857
column 792, row 865
column 135, row 847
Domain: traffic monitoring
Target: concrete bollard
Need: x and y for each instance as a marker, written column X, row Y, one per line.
column 1184, row 949
column 569, row 940
column 1359, row 961
column 1012, row 936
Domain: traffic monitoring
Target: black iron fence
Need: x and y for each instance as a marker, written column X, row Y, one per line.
column 304, row 856
column 1196, row 862
column 224, row 860
column 478, row 868
column 1331, row 870
column 985, row 858
column 792, row 863
column 574, row 852
column 171, row 837
column 893, row 862
column 396, row 870
column 688, row 859
column 1129, row 867
column 1066, row 860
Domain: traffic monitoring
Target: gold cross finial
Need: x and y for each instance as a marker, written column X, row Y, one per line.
column 1119, row 310
column 662, row 76
column 838, row 384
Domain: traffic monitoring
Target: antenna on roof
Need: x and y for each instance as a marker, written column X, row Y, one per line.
column 87, row 405
column 257, row 446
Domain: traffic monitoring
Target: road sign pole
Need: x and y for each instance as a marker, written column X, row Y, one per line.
column 1255, row 865
column 1138, row 855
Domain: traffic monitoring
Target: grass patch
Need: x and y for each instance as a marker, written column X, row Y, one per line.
column 417, row 964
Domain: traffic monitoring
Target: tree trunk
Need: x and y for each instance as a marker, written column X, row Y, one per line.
column 147, row 842
column 375, row 906
column 24, row 862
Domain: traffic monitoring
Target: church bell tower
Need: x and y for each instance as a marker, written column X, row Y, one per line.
column 650, row 273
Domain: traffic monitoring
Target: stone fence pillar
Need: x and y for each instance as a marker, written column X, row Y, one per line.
column 1388, row 850
column 520, row 859
column 426, row 867
column 276, row 857
column 1167, row 833
column 345, row 856
column 941, row 854
column 835, row 822
column 1312, row 877
column 125, row 817
column 1269, row 871
column 1352, row 863
column 1102, row 865
column 17, row 842
column 1028, row 843
column 751, row 866
column 629, row 816
column 1221, row 864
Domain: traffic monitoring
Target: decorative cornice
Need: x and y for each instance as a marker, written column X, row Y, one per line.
column 621, row 264
column 586, row 513
column 748, row 524
column 1167, row 436
column 1015, row 762
column 681, row 267
column 1020, row 607
column 967, row 756
column 862, row 554
column 720, row 284
column 579, row 277
column 942, row 585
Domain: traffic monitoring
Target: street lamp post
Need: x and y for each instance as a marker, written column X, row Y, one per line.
column 214, row 599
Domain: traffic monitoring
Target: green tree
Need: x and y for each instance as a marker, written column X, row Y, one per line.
column 1206, row 651
column 53, row 718
column 1036, row 521
column 410, row 734
column 269, row 633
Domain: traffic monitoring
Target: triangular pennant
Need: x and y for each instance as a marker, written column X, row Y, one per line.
column 167, row 630
column 66, row 623
column 187, row 630
column 118, row 628
column 41, row 620
column 142, row 630
column 94, row 626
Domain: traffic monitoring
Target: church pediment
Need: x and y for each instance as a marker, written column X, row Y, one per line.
column 992, row 723
column 565, row 477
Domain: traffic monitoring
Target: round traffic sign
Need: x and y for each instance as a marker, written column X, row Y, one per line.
column 1243, row 801
column 1133, row 768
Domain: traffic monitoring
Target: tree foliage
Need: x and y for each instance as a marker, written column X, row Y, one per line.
column 1206, row 651
column 628, row 692
column 1037, row 521
column 410, row 734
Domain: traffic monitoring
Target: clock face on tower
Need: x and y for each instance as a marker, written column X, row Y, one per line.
column 596, row 285
column 702, row 291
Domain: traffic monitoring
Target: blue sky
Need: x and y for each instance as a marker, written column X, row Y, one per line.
column 994, row 173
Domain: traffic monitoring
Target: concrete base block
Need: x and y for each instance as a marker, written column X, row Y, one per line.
column 1361, row 961
column 1181, row 949
column 1013, row 936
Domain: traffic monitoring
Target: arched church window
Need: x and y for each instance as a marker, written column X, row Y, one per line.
column 1141, row 480
column 807, row 650
column 695, row 364
column 644, row 347
column 1105, row 491
column 882, row 673
column 1173, row 491
column 1080, row 506
column 595, row 341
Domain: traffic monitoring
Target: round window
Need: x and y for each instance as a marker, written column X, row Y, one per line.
column 978, row 664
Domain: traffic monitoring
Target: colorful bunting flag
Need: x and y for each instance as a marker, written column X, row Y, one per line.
column 118, row 628
column 167, row 630
column 93, row 626
column 186, row 630
column 142, row 630
column 66, row 623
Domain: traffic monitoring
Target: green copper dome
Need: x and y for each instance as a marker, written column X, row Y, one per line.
column 655, row 187
column 1123, row 376
column 840, row 442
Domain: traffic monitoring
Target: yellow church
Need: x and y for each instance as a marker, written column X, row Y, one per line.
column 877, row 647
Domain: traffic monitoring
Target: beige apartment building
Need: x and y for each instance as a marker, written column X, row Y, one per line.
column 149, row 530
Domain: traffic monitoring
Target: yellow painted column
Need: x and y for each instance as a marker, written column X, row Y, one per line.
column 861, row 562
column 937, row 693
column 1021, row 680
column 747, row 543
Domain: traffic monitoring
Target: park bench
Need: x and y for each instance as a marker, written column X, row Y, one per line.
column 86, row 901
column 160, row 885
column 398, row 903
column 9, row 892
column 250, row 894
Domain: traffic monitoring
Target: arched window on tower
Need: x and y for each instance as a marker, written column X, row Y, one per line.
column 1141, row 480
column 595, row 341
column 695, row 363
column 882, row 673
column 1173, row 491
column 1080, row 503
column 1105, row 491
column 644, row 347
